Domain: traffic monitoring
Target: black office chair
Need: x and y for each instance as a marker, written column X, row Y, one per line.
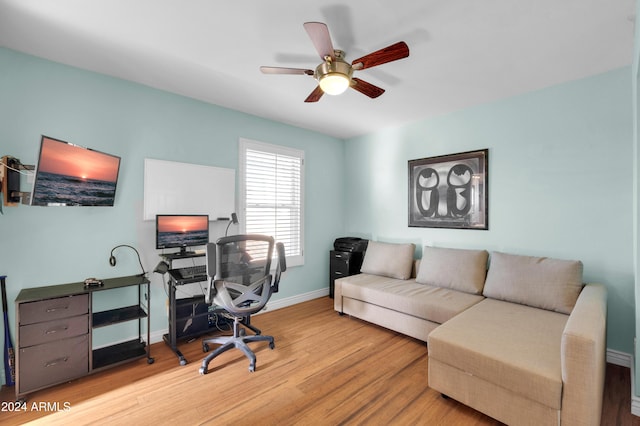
column 239, row 267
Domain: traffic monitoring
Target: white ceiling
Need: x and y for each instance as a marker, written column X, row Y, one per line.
column 463, row 52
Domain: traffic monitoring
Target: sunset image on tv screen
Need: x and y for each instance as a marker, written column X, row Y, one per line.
column 179, row 231
column 68, row 174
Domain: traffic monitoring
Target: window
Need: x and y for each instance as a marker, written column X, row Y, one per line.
column 271, row 195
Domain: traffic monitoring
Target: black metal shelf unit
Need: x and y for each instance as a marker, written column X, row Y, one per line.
column 55, row 326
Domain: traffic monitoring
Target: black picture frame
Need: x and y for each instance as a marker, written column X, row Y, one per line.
column 450, row 191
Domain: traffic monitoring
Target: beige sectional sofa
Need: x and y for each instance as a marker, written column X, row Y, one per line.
column 519, row 338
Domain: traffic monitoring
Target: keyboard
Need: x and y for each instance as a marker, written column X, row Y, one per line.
column 189, row 274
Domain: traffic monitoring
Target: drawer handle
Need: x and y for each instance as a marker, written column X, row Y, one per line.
column 338, row 273
column 60, row 308
column 56, row 330
column 57, row 361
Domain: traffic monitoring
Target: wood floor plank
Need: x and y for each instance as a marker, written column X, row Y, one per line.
column 325, row 370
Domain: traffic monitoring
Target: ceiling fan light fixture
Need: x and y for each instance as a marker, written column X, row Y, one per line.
column 334, row 83
column 334, row 75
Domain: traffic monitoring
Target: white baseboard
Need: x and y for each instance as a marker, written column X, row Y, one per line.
column 622, row 359
column 294, row 300
column 156, row 336
column 635, row 400
column 272, row 305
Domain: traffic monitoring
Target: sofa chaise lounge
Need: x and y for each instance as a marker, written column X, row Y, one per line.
column 519, row 338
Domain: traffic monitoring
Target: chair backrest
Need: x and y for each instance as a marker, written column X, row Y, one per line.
column 243, row 282
column 243, row 258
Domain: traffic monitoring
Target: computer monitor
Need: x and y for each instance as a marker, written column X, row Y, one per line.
column 71, row 175
column 181, row 231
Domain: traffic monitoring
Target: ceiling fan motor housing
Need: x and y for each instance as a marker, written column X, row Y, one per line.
column 334, row 75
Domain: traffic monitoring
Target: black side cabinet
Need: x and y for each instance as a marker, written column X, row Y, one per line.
column 343, row 264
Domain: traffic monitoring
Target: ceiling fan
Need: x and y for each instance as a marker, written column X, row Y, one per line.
column 334, row 74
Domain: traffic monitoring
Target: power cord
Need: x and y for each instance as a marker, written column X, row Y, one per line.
column 21, row 170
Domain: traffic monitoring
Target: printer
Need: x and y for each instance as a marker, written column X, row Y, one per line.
column 350, row 244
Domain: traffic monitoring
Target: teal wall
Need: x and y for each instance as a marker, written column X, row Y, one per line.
column 52, row 245
column 560, row 182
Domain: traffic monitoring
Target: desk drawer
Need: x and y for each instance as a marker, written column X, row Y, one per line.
column 341, row 256
column 51, row 309
column 339, row 268
column 345, row 263
column 44, row 332
column 342, row 264
column 53, row 363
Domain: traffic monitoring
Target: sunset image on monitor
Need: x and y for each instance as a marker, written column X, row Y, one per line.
column 68, row 174
column 61, row 158
column 183, row 223
column 182, row 230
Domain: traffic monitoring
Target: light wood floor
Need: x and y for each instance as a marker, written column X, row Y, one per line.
column 325, row 369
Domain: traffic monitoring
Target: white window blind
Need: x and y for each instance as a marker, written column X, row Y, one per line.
column 272, row 181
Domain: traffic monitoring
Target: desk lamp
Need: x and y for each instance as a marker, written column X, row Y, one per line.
column 234, row 220
column 112, row 258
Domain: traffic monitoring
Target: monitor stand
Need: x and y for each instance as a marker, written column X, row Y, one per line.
column 184, row 253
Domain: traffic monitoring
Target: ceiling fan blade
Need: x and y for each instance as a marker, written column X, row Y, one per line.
column 388, row 54
column 319, row 35
column 315, row 95
column 366, row 88
column 281, row 70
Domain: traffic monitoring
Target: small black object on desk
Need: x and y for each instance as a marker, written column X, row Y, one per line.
column 93, row 282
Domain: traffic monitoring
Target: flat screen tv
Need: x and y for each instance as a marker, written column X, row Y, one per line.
column 71, row 175
column 181, row 231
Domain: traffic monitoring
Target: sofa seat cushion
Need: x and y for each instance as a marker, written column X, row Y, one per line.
column 514, row 346
column 419, row 300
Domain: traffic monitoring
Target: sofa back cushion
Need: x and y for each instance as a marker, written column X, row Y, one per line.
column 541, row 282
column 388, row 259
column 457, row 269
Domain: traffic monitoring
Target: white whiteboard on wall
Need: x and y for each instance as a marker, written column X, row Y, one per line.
column 182, row 188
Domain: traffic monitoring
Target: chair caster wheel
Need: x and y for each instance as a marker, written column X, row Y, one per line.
column 272, row 345
column 205, row 348
column 252, row 368
column 150, row 360
column 202, row 371
column 183, row 362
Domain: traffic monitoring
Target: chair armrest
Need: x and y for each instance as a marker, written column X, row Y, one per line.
column 583, row 357
column 210, row 293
